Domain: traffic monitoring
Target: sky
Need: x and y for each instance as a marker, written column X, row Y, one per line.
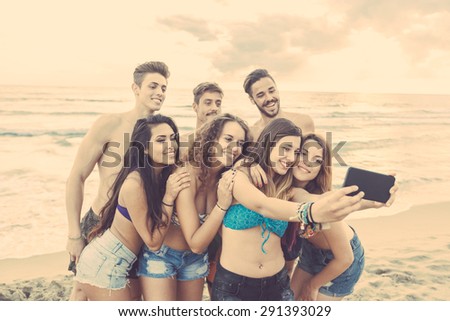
column 384, row 46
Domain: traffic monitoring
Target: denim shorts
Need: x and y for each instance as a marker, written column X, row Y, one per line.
column 229, row 286
column 88, row 222
column 169, row 263
column 313, row 260
column 105, row 262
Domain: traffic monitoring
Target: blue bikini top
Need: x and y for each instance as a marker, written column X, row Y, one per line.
column 238, row 217
column 124, row 212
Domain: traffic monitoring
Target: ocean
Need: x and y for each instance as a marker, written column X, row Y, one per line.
column 42, row 127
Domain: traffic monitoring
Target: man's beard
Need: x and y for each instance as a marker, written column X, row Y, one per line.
column 267, row 114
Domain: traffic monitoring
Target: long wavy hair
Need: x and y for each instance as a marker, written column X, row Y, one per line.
column 278, row 186
column 323, row 181
column 202, row 150
column 136, row 159
column 320, row 184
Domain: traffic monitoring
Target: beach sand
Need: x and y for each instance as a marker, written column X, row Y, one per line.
column 407, row 258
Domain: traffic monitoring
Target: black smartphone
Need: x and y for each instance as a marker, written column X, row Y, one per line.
column 375, row 186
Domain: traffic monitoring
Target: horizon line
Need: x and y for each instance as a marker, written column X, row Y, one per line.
column 226, row 88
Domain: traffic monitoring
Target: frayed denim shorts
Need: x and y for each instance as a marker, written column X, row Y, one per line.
column 169, row 263
column 313, row 260
column 105, row 262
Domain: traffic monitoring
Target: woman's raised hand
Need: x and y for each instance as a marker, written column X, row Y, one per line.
column 176, row 182
column 225, row 189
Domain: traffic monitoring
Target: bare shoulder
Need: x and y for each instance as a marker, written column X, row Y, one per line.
column 186, row 140
column 195, row 174
column 256, row 129
column 335, row 230
column 180, row 169
column 299, row 194
column 132, row 187
column 243, row 173
column 105, row 125
column 305, row 122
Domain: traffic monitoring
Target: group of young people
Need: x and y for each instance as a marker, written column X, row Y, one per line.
column 238, row 208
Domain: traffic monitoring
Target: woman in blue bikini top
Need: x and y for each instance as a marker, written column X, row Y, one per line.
column 238, row 217
column 257, row 219
column 251, row 236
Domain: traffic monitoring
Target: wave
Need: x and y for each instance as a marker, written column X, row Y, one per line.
column 335, row 114
column 423, row 179
column 65, row 133
column 61, row 113
column 370, row 144
column 9, row 99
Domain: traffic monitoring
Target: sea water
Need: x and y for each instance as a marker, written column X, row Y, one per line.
column 42, row 127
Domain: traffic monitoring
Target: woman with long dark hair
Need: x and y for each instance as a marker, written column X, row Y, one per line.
column 178, row 269
column 138, row 211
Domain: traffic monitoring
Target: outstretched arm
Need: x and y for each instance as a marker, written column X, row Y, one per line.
column 336, row 206
column 301, row 195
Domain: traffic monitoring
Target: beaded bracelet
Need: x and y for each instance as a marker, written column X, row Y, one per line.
column 74, row 238
column 301, row 214
column 305, row 213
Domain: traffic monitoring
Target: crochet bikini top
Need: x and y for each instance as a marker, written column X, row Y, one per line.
column 238, row 217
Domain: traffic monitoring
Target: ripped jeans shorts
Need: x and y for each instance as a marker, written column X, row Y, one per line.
column 169, row 263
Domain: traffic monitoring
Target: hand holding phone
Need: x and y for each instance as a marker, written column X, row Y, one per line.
column 375, row 186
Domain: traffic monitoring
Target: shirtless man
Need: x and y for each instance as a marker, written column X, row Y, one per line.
column 262, row 91
column 207, row 102
column 104, row 145
column 207, row 105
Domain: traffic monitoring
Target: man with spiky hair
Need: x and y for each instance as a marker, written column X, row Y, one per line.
column 104, row 146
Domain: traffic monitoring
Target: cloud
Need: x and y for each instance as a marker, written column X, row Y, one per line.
column 199, row 28
column 286, row 43
column 419, row 26
column 279, row 42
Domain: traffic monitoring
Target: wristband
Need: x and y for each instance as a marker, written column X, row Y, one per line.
column 170, row 205
column 222, row 209
column 311, row 215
